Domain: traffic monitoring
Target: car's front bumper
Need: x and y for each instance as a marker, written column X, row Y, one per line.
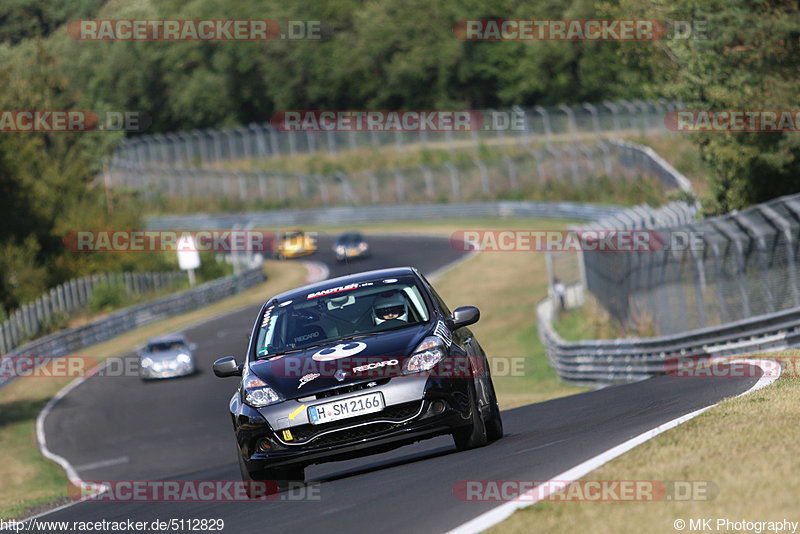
column 406, row 435
column 439, row 406
column 351, row 254
column 297, row 253
column 166, row 371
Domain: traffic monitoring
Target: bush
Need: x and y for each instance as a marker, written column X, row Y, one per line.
column 108, row 296
column 211, row 269
column 58, row 321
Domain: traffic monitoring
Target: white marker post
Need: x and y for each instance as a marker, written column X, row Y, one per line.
column 188, row 256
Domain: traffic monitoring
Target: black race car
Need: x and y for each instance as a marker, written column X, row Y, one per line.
column 351, row 245
column 354, row 366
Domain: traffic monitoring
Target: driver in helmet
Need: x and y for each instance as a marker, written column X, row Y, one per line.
column 390, row 307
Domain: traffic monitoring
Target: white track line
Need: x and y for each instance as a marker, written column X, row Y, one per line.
column 317, row 271
column 502, row 512
column 103, row 463
column 72, row 474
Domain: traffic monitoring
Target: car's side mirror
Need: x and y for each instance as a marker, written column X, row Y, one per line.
column 227, row 367
column 465, row 316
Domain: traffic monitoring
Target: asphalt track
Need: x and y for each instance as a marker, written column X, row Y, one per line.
column 119, row 428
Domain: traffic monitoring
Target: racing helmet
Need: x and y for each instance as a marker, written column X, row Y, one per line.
column 388, row 307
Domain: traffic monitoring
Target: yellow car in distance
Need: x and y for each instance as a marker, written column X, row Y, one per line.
column 295, row 243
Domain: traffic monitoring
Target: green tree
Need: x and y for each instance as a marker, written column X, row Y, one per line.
column 750, row 60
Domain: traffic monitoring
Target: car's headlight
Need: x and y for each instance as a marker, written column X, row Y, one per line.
column 258, row 394
column 425, row 357
column 184, row 358
column 146, row 362
column 363, row 247
column 340, row 249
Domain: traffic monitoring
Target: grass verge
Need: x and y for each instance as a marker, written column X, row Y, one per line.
column 411, row 154
column 745, row 451
column 446, row 227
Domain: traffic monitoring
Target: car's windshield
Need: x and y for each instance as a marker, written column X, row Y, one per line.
column 292, row 235
column 349, row 239
column 340, row 312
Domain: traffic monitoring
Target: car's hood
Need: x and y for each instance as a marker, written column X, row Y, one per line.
column 293, row 374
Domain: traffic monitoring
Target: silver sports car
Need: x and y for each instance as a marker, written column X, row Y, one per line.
column 166, row 357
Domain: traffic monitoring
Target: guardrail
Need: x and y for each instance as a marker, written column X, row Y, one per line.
column 31, row 319
column 73, row 339
column 626, row 360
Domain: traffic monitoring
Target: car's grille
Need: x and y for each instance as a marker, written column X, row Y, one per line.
column 351, row 388
column 355, row 434
column 345, row 430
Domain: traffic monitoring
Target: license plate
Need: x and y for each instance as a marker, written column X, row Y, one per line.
column 352, row 252
column 342, row 409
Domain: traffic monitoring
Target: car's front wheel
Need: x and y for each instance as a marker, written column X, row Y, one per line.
column 494, row 425
column 472, row 436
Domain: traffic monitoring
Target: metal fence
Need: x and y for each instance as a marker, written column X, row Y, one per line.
column 35, row 317
column 630, row 160
column 73, row 339
column 206, row 148
column 529, row 173
column 706, row 273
